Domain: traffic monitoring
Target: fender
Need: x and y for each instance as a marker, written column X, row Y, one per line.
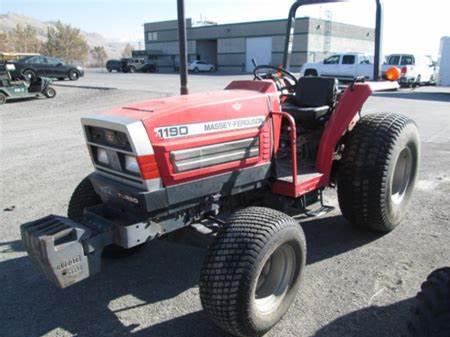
column 349, row 104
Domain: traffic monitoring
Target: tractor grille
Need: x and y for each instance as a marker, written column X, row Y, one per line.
column 200, row 157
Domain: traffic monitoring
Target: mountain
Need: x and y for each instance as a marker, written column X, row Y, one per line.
column 113, row 47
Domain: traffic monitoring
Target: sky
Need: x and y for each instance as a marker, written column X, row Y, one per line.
column 410, row 25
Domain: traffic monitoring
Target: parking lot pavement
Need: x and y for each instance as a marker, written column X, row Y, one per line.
column 157, row 83
column 357, row 284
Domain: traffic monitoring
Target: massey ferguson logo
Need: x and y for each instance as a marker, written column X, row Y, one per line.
column 237, row 106
column 176, row 131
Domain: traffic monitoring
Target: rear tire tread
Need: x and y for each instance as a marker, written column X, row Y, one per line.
column 364, row 168
column 431, row 315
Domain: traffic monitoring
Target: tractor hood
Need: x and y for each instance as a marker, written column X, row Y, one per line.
column 242, row 104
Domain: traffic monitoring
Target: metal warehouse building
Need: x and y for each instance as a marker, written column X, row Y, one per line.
column 231, row 47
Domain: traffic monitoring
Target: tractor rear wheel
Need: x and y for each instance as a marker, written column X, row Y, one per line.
column 378, row 171
column 252, row 271
column 432, row 311
column 84, row 196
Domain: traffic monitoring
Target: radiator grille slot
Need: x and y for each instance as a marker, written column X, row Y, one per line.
column 205, row 156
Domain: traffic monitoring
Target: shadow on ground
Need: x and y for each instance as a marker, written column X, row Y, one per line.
column 31, row 306
column 372, row 321
column 415, row 95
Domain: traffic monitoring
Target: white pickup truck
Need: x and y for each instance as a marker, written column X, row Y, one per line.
column 344, row 66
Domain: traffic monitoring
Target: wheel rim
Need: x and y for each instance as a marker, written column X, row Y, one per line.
column 275, row 279
column 402, row 175
column 74, row 75
column 28, row 75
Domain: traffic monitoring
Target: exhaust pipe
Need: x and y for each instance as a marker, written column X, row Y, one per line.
column 182, row 42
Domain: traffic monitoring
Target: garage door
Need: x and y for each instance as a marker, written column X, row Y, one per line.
column 259, row 48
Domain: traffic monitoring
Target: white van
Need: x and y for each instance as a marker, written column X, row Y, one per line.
column 415, row 69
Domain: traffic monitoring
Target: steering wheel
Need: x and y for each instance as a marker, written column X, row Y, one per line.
column 284, row 79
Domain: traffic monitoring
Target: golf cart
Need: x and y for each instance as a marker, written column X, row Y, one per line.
column 15, row 87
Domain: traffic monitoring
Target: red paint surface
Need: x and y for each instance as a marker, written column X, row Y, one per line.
column 241, row 99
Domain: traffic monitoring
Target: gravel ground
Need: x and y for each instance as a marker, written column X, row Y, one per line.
column 356, row 283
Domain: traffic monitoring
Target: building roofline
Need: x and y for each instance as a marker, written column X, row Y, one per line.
column 226, row 24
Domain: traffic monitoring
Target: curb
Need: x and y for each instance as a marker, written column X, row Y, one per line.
column 83, row 86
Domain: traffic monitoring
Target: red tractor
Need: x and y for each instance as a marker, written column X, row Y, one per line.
column 234, row 160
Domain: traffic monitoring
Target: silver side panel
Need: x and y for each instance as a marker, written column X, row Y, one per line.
column 200, row 157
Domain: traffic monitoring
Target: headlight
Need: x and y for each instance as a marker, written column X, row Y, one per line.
column 131, row 164
column 79, row 68
column 102, row 156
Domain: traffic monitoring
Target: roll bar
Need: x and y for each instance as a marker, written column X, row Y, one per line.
column 290, row 30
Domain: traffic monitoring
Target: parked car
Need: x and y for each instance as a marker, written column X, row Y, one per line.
column 344, row 66
column 131, row 65
column 415, row 69
column 197, row 66
column 138, row 64
column 117, row 65
column 36, row 66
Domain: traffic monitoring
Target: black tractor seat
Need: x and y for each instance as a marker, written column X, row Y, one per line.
column 314, row 99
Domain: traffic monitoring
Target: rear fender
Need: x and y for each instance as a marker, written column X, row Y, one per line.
column 350, row 103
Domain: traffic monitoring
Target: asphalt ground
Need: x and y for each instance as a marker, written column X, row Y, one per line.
column 161, row 84
column 357, row 284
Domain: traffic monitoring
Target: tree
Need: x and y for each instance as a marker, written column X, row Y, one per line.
column 99, row 55
column 126, row 53
column 66, row 42
column 22, row 40
column 4, row 42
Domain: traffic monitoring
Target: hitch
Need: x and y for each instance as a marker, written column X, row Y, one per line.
column 67, row 251
column 60, row 248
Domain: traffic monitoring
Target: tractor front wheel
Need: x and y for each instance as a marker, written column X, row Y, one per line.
column 378, row 171
column 253, row 270
column 84, row 196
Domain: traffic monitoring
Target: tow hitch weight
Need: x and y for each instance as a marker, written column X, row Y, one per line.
column 59, row 247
